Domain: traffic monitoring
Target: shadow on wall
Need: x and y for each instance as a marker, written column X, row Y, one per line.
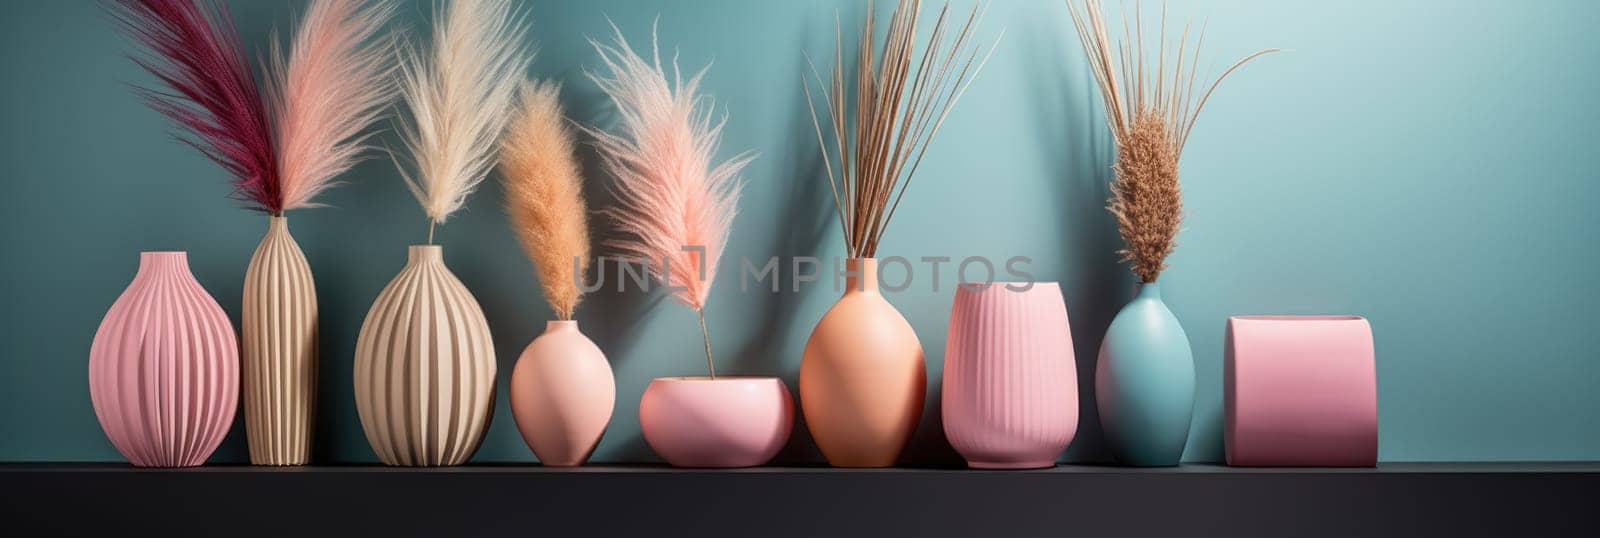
column 1095, row 285
column 808, row 212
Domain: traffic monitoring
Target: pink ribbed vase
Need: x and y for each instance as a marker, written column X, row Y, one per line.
column 164, row 367
column 1010, row 381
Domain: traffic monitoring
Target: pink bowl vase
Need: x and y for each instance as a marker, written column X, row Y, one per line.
column 562, row 395
column 722, row 422
column 1300, row 391
column 164, row 367
column 1010, row 381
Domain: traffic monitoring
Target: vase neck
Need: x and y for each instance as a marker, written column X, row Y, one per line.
column 425, row 254
column 1149, row 290
column 277, row 224
column 560, row 325
column 163, row 262
column 861, row 274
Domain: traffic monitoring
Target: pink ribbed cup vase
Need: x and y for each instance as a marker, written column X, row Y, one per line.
column 164, row 367
column 1010, row 381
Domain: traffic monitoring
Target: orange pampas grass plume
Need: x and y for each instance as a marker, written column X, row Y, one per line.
column 544, row 195
column 1150, row 113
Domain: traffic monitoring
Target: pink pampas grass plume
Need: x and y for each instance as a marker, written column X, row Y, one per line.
column 193, row 48
column 459, row 94
column 544, row 195
column 674, row 206
column 334, row 82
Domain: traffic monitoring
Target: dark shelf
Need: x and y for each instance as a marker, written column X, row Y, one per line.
column 1400, row 499
column 1425, row 468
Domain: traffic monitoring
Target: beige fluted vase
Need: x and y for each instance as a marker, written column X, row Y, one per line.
column 279, row 354
column 424, row 371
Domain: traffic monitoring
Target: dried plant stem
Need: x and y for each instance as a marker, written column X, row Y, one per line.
column 900, row 102
column 1150, row 115
column 711, row 365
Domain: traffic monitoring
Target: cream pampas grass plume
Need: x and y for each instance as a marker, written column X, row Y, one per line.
column 459, row 95
column 674, row 205
column 544, row 195
column 1150, row 113
column 333, row 83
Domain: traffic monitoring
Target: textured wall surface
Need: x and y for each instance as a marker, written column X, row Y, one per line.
column 1429, row 165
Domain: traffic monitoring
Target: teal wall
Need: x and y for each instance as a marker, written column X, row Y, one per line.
column 1429, row 165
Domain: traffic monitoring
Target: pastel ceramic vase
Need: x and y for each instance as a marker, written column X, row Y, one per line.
column 424, row 367
column 722, row 422
column 1300, row 391
column 862, row 377
column 562, row 395
column 164, row 367
column 279, row 355
column 1144, row 383
column 1010, row 382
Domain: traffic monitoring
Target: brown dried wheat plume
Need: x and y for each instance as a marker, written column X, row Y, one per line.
column 1150, row 113
column 544, row 195
column 901, row 100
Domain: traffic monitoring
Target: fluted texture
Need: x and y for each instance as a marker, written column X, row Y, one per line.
column 424, row 369
column 1010, row 383
column 164, row 367
column 279, row 327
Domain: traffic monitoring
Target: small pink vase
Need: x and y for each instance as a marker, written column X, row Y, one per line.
column 722, row 422
column 164, row 367
column 1300, row 391
column 562, row 395
column 1010, row 381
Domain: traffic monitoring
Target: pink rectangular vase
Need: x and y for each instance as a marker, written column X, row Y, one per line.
column 1300, row 391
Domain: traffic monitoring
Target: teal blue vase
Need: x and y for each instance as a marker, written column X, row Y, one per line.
column 1144, row 383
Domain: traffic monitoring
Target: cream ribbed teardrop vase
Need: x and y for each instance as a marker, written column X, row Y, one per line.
column 164, row 367
column 424, row 373
column 279, row 328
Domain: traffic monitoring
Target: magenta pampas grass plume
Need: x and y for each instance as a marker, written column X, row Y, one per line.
column 669, row 194
column 334, row 82
column 460, row 95
column 192, row 47
column 672, row 200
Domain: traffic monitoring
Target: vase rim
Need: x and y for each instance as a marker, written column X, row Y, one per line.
column 984, row 286
column 718, row 379
column 1298, row 317
column 164, row 252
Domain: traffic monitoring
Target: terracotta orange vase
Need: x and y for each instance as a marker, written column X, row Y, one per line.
column 562, row 395
column 862, row 378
